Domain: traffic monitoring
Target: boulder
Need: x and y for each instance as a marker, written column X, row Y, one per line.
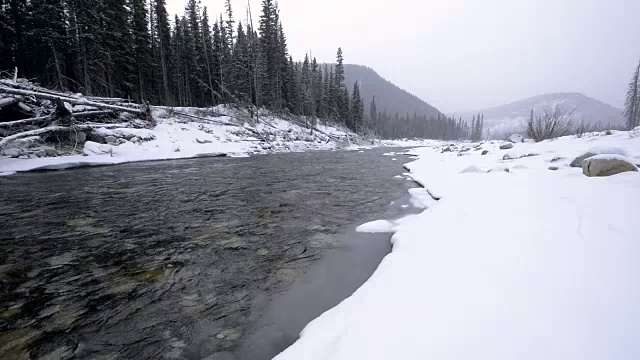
column 471, row 169
column 607, row 165
column 79, row 137
column 485, row 152
column 553, row 168
column 24, row 157
column 499, row 169
column 12, row 152
column 516, row 138
column 506, row 146
column 49, row 151
column 40, row 153
column 110, row 139
column 447, row 149
column 577, row 162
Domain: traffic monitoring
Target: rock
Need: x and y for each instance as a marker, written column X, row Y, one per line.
column 136, row 140
column 499, row 169
column 13, row 152
column 92, row 148
column 24, row 156
column 506, row 146
column 485, row 152
column 203, row 141
column 447, row 149
column 607, row 165
column 222, row 355
column 516, row 138
column 471, row 169
column 577, row 162
column 40, row 153
column 507, row 157
column 79, row 137
column 49, row 151
column 556, row 159
column 529, row 155
column 553, row 168
column 110, row 139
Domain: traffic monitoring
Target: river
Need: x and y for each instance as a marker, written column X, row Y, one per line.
column 187, row 259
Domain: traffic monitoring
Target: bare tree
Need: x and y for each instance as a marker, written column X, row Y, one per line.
column 553, row 122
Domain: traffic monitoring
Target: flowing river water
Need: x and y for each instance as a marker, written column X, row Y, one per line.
column 216, row 259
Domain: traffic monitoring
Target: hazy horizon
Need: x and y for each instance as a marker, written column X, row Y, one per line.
column 463, row 55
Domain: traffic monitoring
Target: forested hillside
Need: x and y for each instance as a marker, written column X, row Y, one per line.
column 132, row 49
column 389, row 97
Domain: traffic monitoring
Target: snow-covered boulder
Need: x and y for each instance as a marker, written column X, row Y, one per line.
column 607, row 165
column 577, row 162
column 516, row 138
column 506, row 146
column 79, row 136
column 110, row 139
column 471, row 169
column 12, row 152
column 93, row 148
column 49, row 151
column 499, row 169
column 447, row 149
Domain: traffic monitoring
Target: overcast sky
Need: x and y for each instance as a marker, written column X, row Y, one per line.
column 469, row 54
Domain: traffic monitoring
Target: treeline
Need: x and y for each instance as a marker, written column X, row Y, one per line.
column 132, row 49
column 397, row 126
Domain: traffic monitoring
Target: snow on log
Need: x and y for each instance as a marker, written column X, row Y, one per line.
column 75, row 101
column 21, row 135
column 7, row 101
column 25, row 121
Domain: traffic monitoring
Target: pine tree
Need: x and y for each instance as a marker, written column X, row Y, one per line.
column 241, row 65
column 141, row 48
column 268, row 66
column 357, row 109
column 632, row 103
column 163, row 36
column 373, row 115
column 6, row 42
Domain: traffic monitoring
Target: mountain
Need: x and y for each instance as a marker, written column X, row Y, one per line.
column 389, row 97
column 513, row 117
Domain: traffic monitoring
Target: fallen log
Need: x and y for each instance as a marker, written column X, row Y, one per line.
column 205, row 119
column 7, row 101
column 21, row 135
column 75, row 101
column 25, row 121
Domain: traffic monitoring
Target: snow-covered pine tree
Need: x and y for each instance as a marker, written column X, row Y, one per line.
column 632, row 102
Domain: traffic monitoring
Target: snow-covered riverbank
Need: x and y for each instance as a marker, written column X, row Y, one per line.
column 539, row 262
column 177, row 137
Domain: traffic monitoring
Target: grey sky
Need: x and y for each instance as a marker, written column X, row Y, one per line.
column 469, row 54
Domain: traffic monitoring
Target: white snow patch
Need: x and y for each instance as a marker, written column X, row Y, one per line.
column 378, row 226
column 529, row 265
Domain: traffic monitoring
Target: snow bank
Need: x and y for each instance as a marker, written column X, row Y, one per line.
column 177, row 136
column 530, row 264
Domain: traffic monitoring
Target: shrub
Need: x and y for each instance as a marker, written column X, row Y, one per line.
column 553, row 122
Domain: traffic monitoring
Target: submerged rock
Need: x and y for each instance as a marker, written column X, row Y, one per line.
column 607, row 165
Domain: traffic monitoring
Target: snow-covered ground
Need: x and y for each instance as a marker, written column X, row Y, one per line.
column 534, row 263
column 178, row 137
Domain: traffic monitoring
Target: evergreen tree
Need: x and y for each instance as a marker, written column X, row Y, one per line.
column 163, row 36
column 632, row 103
column 373, row 115
column 241, row 65
column 357, row 109
column 141, row 49
column 6, row 30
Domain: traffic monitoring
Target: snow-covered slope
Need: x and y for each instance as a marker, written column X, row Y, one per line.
column 532, row 263
column 513, row 117
column 184, row 133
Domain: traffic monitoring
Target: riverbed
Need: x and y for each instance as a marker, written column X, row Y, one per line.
column 187, row 259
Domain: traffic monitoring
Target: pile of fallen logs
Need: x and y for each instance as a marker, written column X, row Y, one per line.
column 27, row 110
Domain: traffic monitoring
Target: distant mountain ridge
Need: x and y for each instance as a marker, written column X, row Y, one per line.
column 389, row 97
column 513, row 117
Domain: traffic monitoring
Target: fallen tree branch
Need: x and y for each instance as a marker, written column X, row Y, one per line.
column 25, row 121
column 7, row 101
column 14, row 137
column 92, row 113
column 205, row 119
column 75, row 101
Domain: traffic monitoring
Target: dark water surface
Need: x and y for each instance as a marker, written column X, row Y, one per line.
column 186, row 259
